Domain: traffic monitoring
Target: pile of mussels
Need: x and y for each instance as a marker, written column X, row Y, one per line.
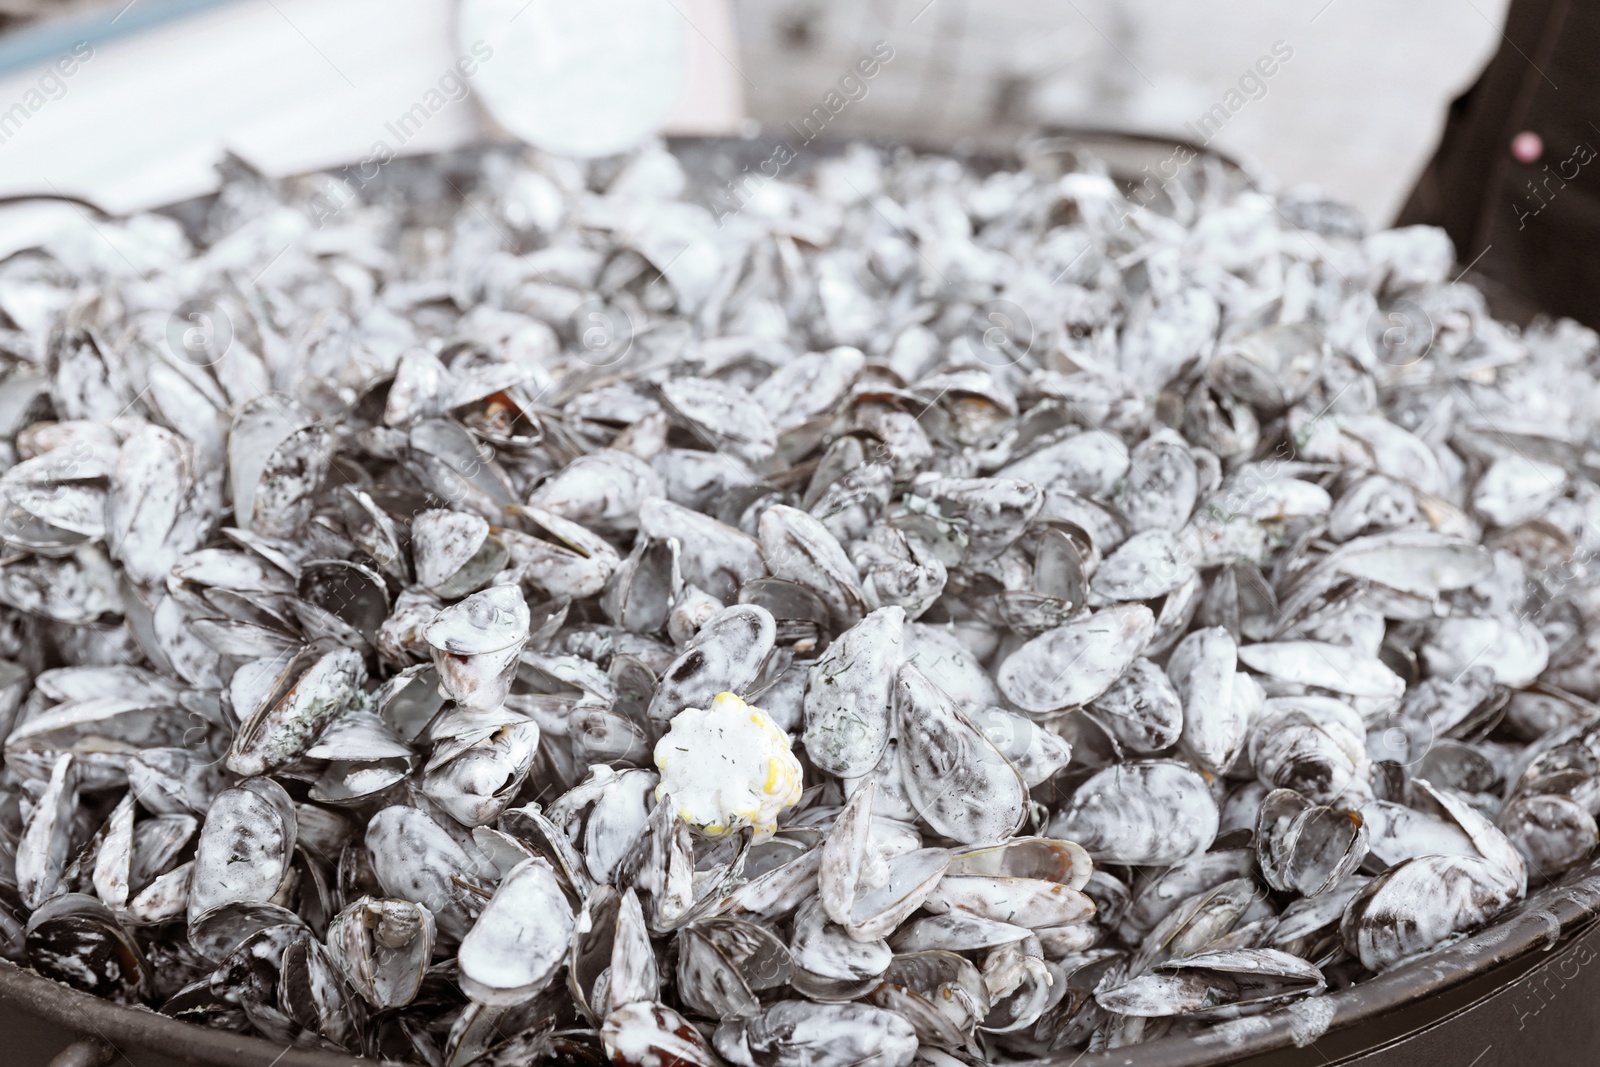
column 1135, row 617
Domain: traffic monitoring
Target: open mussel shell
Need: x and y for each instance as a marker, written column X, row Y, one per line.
column 519, row 939
column 908, row 881
column 218, row 931
column 312, row 993
column 1315, row 746
column 359, row 736
column 102, row 733
column 447, row 460
column 1111, row 897
column 1542, row 710
column 374, row 531
column 383, row 947
column 712, row 555
column 278, row 457
column 246, row 847
column 642, row 589
column 478, row 762
column 1019, row 984
column 800, row 615
column 1459, row 767
column 454, row 553
column 661, row 869
column 956, row 780
column 476, row 643
column 897, row 571
column 634, row 975
column 41, row 854
column 533, row 832
column 409, row 701
column 1101, row 647
column 1063, row 862
column 563, row 560
column 1396, row 833
column 794, row 1032
column 56, row 499
column 1035, row 749
column 75, row 939
column 956, row 931
column 645, row 1033
column 724, row 656
column 1059, row 942
column 1201, row 922
column 1552, row 832
column 1270, row 368
column 589, row 954
column 801, row 549
column 1570, row 767
column 415, row 858
column 250, row 975
column 848, row 695
column 112, row 875
column 1155, row 812
column 1056, row 591
column 724, row 965
column 845, row 854
column 789, row 878
column 993, row 512
column 941, row 994
column 618, row 817
column 601, row 490
column 1163, row 891
column 356, row 781
column 1305, row 847
column 829, row 963
column 352, row 593
column 164, row 898
column 521, row 1032
column 315, row 685
column 1215, row 982
column 1030, row 902
column 1465, row 704
column 1487, row 839
column 1419, row 903
column 1309, row 927
column 1074, row 1015
column 1141, row 709
column 722, row 415
column 157, row 846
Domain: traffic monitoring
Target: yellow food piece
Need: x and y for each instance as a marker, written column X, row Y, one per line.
column 726, row 767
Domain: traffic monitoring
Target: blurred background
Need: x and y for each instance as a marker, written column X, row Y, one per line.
column 1357, row 110
column 292, row 85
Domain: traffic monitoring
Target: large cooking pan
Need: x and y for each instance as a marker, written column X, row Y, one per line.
column 1520, row 992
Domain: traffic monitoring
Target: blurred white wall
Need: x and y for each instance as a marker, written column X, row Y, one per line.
column 1356, row 110
column 142, row 118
